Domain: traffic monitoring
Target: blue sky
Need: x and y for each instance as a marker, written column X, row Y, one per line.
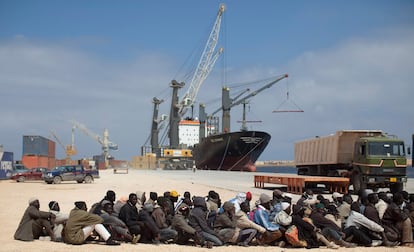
column 350, row 66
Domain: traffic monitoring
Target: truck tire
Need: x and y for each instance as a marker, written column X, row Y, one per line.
column 396, row 187
column 57, row 180
column 88, row 179
column 357, row 183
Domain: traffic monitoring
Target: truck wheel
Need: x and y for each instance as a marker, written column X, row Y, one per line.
column 396, row 187
column 88, row 179
column 357, row 183
column 57, row 180
column 21, row 179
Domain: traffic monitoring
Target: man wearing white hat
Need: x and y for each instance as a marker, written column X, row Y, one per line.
column 34, row 222
column 283, row 217
column 337, row 199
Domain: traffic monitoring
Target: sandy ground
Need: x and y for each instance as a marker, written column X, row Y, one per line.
column 14, row 199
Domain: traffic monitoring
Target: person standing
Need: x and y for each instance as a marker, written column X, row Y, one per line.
column 33, row 222
column 81, row 224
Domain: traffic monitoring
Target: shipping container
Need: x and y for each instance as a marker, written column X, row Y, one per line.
column 35, row 161
column 51, row 149
column 51, row 163
column 6, row 164
column 35, row 145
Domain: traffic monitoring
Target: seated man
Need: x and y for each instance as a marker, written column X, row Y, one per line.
column 358, row 227
column 184, row 230
column 261, row 217
column 159, row 215
column 129, row 215
column 34, row 222
column 60, row 220
column 197, row 220
column 115, row 225
column 81, row 224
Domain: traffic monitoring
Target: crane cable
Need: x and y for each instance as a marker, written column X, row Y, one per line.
column 296, row 109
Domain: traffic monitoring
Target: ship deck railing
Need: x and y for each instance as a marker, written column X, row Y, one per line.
column 297, row 183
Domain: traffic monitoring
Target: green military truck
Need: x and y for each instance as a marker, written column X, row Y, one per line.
column 370, row 158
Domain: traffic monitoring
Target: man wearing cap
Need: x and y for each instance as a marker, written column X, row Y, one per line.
column 345, row 208
column 240, row 197
column 81, row 224
column 337, row 199
column 34, row 222
column 60, row 220
column 283, row 217
column 261, row 217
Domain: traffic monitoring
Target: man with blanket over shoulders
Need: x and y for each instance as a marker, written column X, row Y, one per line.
column 81, row 224
column 34, row 222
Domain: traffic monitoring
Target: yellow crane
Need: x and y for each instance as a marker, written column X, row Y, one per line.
column 102, row 140
column 69, row 148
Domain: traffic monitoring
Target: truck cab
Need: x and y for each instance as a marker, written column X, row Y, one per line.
column 379, row 162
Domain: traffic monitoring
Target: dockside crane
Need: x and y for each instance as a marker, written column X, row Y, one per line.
column 228, row 103
column 175, row 155
column 204, row 67
column 69, row 148
column 103, row 141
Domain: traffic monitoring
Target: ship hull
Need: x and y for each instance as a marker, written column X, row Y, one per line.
column 235, row 151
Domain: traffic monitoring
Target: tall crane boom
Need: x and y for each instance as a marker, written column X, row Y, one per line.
column 103, row 141
column 87, row 132
column 205, row 65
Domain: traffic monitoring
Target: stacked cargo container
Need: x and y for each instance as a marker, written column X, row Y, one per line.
column 6, row 164
column 38, row 151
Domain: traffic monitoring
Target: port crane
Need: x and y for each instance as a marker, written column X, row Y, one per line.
column 69, row 148
column 204, row 67
column 103, row 141
column 174, row 155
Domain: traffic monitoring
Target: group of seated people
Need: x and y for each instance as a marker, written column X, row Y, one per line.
column 373, row 219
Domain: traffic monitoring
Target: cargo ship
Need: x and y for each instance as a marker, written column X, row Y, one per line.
column 234, row 151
